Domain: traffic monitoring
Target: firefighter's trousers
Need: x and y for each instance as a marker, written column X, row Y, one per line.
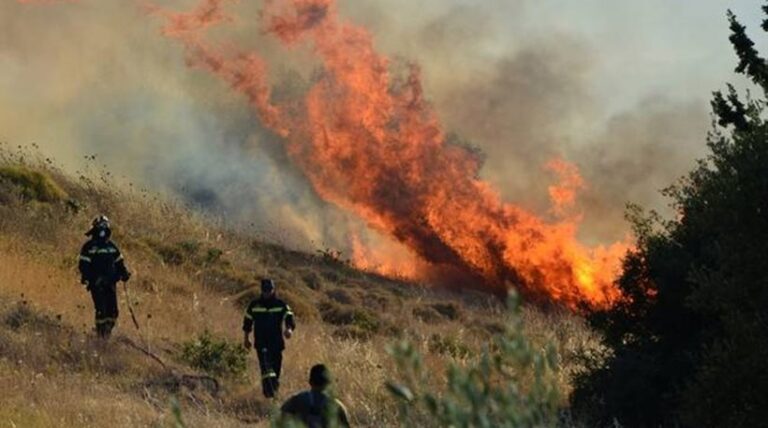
column 104, row 295
column 270, row 363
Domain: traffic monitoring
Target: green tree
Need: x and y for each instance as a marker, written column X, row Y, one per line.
column 691, row 339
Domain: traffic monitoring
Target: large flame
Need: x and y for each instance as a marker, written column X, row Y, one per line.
column 370, row 143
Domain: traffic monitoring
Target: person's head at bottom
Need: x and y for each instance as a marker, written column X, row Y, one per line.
column 319, row 377
column 316, row 408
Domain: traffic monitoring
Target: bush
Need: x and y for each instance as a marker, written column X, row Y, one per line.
column 688, row 342
column 449, row 346
column 513, row 385
column 212, row 256
column 32, row 185
column 217, row 357
column 335, row 314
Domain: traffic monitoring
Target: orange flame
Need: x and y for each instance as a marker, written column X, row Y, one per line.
column 371, row 144
column 384, row 260
column 563, row 195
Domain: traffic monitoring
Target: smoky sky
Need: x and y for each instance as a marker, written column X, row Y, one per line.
column 619, row 88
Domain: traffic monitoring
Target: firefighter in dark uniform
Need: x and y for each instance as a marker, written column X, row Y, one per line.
column 101, row 267
column 266, row 316
column 316, row 408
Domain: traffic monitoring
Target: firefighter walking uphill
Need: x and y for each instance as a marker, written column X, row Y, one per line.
column 265, row 316
column 101, row 267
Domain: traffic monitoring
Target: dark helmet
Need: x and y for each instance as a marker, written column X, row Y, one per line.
column 100, row 228
column 267, row 285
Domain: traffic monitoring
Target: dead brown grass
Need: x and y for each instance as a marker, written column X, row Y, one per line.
column 191, row 274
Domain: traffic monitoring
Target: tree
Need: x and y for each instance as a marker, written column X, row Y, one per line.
column 690, row 339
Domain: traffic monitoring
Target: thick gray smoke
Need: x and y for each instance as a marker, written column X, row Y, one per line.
column 510, row 76
column 98, row 78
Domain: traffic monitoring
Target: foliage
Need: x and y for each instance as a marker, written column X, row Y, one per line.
column 217, row 357
column 341, row 315
column 448, row 345
column 689, row 340
column 178, row 421
column 513, row 384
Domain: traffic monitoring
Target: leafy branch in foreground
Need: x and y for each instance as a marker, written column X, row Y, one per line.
column 511, row 384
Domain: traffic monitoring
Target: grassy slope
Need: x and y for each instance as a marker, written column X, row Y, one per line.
column 192, row 275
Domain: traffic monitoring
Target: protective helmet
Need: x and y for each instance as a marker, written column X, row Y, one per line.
column 100, row 228
column 267, row 285
column 100, row 222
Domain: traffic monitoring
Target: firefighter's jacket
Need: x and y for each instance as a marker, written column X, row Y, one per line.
column 101, row 261
column 265, row 317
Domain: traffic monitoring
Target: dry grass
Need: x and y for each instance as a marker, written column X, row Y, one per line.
column 191, row 275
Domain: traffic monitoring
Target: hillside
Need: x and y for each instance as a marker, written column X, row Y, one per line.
column 192, row 275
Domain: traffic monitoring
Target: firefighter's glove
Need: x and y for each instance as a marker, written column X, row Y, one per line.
column 288, row 333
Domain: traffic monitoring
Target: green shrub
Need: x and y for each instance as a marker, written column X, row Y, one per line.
column 512, row 385
column 448, row 345
column 215, row 356
column 212, row 256
column 336, row 314
column 32, row 185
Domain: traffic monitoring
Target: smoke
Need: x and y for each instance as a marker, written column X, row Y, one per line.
column 637, row 154
column 95, row 77
column 510, row 79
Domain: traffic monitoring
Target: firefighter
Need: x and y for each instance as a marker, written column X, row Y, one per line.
column 315, row 408
column 266, row 316
column 101, row 267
